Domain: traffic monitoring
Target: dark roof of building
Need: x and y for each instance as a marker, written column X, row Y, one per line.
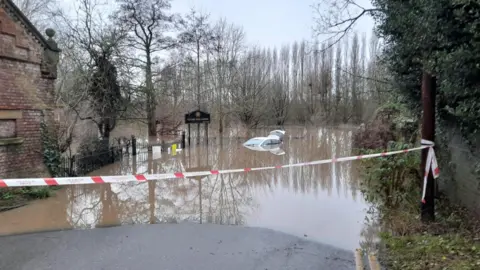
column 12, row 8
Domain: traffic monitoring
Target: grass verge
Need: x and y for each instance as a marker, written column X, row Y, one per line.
column 15, row 197
column 451, row 242
column 391, row 184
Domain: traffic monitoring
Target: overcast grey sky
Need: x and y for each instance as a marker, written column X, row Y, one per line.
column 267, row 22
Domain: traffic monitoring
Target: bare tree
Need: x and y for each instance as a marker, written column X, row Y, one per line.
column 346, row 93
column 336, row 18
column 148, row 23
column 39, row 12
column 279, row 97
column 250, row 84
column 326, row 80
column 300, row 85
column 196, row 36
column 226, row 52
column 98, row 46
column 170, row 81
column 311, row 97
column 354, row 69
column 338, row 81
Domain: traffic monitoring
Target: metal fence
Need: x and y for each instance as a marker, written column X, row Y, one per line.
column 79, row 165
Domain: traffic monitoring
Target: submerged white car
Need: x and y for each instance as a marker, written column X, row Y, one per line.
column 270, row 143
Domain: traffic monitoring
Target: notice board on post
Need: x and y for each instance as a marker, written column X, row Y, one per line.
column 197, row 117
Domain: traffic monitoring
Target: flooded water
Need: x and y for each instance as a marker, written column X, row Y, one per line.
column 319, row 202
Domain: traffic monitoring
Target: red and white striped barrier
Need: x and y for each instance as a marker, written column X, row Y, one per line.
column 431, row 164
column 60, row 181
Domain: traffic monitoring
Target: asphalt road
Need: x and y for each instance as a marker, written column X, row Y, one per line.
column 169, row 247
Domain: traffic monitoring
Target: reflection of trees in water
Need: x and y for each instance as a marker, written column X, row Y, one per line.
column 112, row 204
column 84, row 208
column 370, row 231
column 321, row 144
column 228, row 196
column 227, row 199
column 224, row 199
column 100, row 204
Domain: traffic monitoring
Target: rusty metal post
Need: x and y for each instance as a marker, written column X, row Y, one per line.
column 183, row 139
column 134, row 146
column 112, row 154
column 72, row 170
column 189, row 134
column 206, row 132
column 428, row 133
column 198, row 133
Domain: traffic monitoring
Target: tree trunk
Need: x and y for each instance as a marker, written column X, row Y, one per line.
column 198, row 74
column 220, row 95
column 151, row 104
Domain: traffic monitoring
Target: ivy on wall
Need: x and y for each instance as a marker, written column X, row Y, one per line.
column 51, row 149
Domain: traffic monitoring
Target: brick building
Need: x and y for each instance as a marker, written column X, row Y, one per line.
column 28, row 63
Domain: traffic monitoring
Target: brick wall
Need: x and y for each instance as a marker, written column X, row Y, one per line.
column 24, row 159
column 25, row 96
column 15, row 41
column 22, row 86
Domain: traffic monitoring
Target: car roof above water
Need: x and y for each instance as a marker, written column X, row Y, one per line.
column 256, row 139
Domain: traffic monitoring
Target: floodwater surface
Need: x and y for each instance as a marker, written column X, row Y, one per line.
column 320, row 202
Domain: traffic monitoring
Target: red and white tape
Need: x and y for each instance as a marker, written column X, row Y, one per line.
column 431, row 164
column 60, row 181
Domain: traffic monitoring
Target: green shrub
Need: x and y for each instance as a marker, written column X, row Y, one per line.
column 391, row 181
column 51, row 150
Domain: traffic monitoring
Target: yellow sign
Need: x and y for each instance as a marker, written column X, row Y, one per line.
column 174, row 149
